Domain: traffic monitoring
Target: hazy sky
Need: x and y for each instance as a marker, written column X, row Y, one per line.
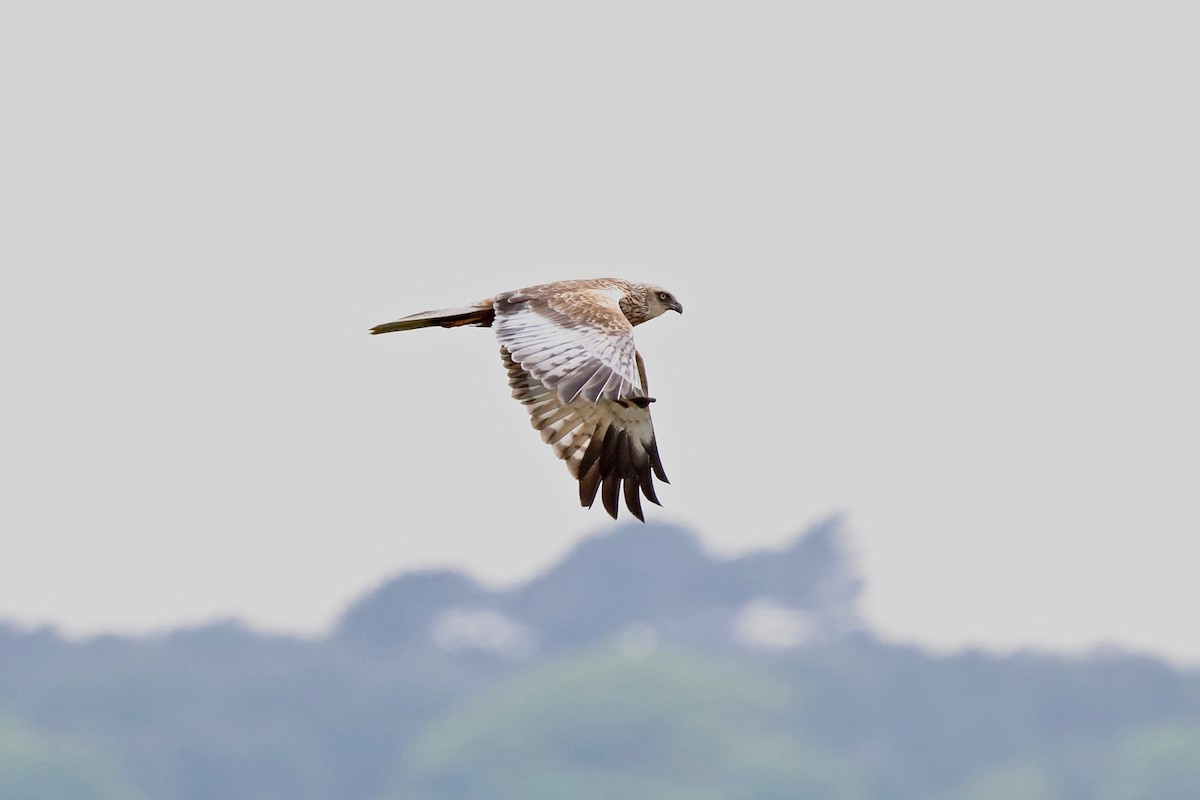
column 939, row 263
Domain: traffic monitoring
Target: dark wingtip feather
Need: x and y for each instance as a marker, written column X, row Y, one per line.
column 594, row 448
column 633, row 500
column 608, row 494
column 589, row 484
column 647, row 483
column 656, row 462
column 622, row 461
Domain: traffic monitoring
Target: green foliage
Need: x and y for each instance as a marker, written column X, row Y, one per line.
column 1162, row 762
column 33, row 768
column 223, row 712
column 605, row 725
column 1031, row 780
column 379, row 711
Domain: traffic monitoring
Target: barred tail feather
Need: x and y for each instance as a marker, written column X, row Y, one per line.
column 481, row 316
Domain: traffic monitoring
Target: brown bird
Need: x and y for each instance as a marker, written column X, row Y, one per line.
column 571, row 360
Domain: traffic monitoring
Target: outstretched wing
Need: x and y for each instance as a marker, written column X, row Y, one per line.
column 573, row 337
column 609, row 444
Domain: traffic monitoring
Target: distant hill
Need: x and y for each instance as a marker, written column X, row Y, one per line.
column 655, row 577
column 639, row 667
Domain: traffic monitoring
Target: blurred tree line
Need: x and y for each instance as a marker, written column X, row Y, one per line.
column 637, row 668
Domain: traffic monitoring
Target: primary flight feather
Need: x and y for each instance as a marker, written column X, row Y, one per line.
column 571, row 360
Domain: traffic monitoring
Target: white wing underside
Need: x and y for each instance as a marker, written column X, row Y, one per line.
column 580, row 360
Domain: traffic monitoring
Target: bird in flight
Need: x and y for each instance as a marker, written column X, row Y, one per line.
column 571, row 360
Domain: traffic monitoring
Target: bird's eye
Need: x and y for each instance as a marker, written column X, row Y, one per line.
column 663, row 297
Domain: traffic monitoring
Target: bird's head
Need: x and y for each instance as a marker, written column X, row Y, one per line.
column 659, row 301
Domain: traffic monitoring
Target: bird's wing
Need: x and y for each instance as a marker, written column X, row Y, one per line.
column 575, row 340
column 608, row 445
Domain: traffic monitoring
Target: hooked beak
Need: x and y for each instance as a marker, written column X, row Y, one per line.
column 676, row 306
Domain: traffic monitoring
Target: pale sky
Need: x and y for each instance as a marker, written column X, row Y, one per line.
column 939, row 265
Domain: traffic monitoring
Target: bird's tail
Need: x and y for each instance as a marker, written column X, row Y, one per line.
column 481, row 315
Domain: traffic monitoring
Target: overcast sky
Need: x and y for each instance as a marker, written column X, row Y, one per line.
column 939, row 263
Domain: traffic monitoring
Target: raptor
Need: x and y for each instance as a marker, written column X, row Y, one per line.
column 571, row 360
